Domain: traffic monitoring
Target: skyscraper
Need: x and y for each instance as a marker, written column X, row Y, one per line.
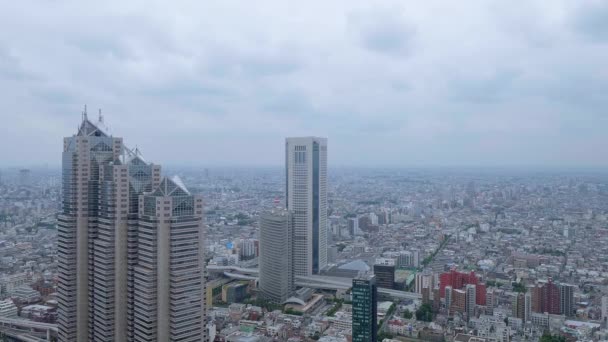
column 169, row 272
column 306, row 198
column 276, row 255
column 365, row 310
column 105, row 238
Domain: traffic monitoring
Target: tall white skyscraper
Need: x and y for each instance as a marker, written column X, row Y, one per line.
column 306, row 198
column 129, row 246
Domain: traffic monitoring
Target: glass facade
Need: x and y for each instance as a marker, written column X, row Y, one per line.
column 365, row 295
column 315, row 207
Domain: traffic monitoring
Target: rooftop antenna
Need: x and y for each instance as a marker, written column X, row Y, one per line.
column 100, row 116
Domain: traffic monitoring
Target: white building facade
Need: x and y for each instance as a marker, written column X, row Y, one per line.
column 306, row 198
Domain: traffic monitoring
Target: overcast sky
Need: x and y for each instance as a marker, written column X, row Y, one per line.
column 390, row 83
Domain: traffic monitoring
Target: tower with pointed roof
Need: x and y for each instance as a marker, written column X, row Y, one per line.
column 102, row 246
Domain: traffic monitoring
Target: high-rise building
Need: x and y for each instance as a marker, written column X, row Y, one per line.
column 551, row 298
column 527, row 307
column 306, row 198
column 605, row 309
column 519, row 306
column 458, row 301
column 353, row 226
column 458, row 280
column 169, row 288
column 425, row 278
column 364, row 308
column 546, row 298
column 536, row 298
column 490, row 301
column 385, row 275
column 448, row 297
column 471, row 300
column 566, row 297
column 276, row 255
column 409, row 258
column 106, row 239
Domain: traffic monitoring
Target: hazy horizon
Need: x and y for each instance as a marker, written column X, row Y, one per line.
column 391, row 84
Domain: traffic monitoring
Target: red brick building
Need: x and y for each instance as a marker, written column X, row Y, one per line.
column 458, row 280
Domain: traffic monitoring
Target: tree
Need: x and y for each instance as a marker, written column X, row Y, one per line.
column 407, row 314
column 552, row 338
column 382, row 335
column 424, row 313
column 519, row 287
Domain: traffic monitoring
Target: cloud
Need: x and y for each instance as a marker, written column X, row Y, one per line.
column 496, row 87
column 591, row 20
column 389, row 84
column 383, row 31
column 11, row 68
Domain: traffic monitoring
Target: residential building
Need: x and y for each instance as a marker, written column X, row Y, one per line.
column 605, row 309
column 566, row 297
column 471, row 291
column 519, row 306
column 458, row 280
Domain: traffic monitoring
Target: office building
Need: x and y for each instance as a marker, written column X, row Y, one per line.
column 306, row 198
column 364, row 309
column 385, row 275
column 107, row 236
column 409, row 259
column 276, row 255
column 234, row 293
column 169, row 289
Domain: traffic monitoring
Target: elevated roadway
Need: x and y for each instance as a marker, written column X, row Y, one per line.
column 313, row 281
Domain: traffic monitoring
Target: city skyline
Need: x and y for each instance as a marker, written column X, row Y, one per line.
column 342, row 171
column 385, row 80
